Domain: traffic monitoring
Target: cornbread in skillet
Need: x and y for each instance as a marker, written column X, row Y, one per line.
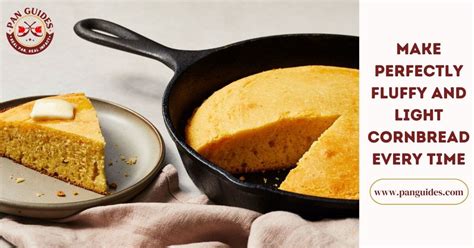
column 70, row 150
column 330, row 167
column 305, row 116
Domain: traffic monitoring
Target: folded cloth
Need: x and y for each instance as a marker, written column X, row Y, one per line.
column 284, row 229
column 162, row 216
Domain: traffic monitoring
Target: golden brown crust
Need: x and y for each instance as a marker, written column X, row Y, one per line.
column 329, row 168
column 5, row 109
column 85, row 121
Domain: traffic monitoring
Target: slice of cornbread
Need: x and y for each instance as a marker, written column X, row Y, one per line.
column 70, row 150
column 330, row 167
column 271, row 119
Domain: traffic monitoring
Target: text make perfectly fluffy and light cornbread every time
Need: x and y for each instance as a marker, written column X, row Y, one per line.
column 70, row 149
column 305, row 115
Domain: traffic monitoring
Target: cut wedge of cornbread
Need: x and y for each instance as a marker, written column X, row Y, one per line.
column 272, row 120
column 330, row 167
column 70, row 150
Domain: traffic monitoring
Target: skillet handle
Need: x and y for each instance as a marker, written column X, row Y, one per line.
column 112, row 35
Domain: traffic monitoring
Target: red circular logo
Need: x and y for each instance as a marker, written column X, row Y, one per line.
column 30, row 31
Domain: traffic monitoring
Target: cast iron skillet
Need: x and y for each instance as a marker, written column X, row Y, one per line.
column 199, row 73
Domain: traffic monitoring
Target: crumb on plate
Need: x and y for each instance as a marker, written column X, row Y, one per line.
column 113, row 186
column 19, row 180
column 132, row 160
column 60, row 194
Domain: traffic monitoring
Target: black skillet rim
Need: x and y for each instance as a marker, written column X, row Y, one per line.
column 247, row 186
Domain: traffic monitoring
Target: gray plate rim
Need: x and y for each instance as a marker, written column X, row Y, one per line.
column 98, row 201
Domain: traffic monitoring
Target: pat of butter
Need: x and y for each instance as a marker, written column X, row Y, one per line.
column 52, row 109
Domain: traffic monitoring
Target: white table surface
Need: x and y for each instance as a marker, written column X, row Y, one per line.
column 71, row 64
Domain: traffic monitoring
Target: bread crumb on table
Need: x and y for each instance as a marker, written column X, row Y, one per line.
column 242, row 178
column 19, row 180
column 60, row 194
column 39, row 194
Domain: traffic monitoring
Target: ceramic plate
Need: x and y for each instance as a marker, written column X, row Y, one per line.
column 128, row 135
